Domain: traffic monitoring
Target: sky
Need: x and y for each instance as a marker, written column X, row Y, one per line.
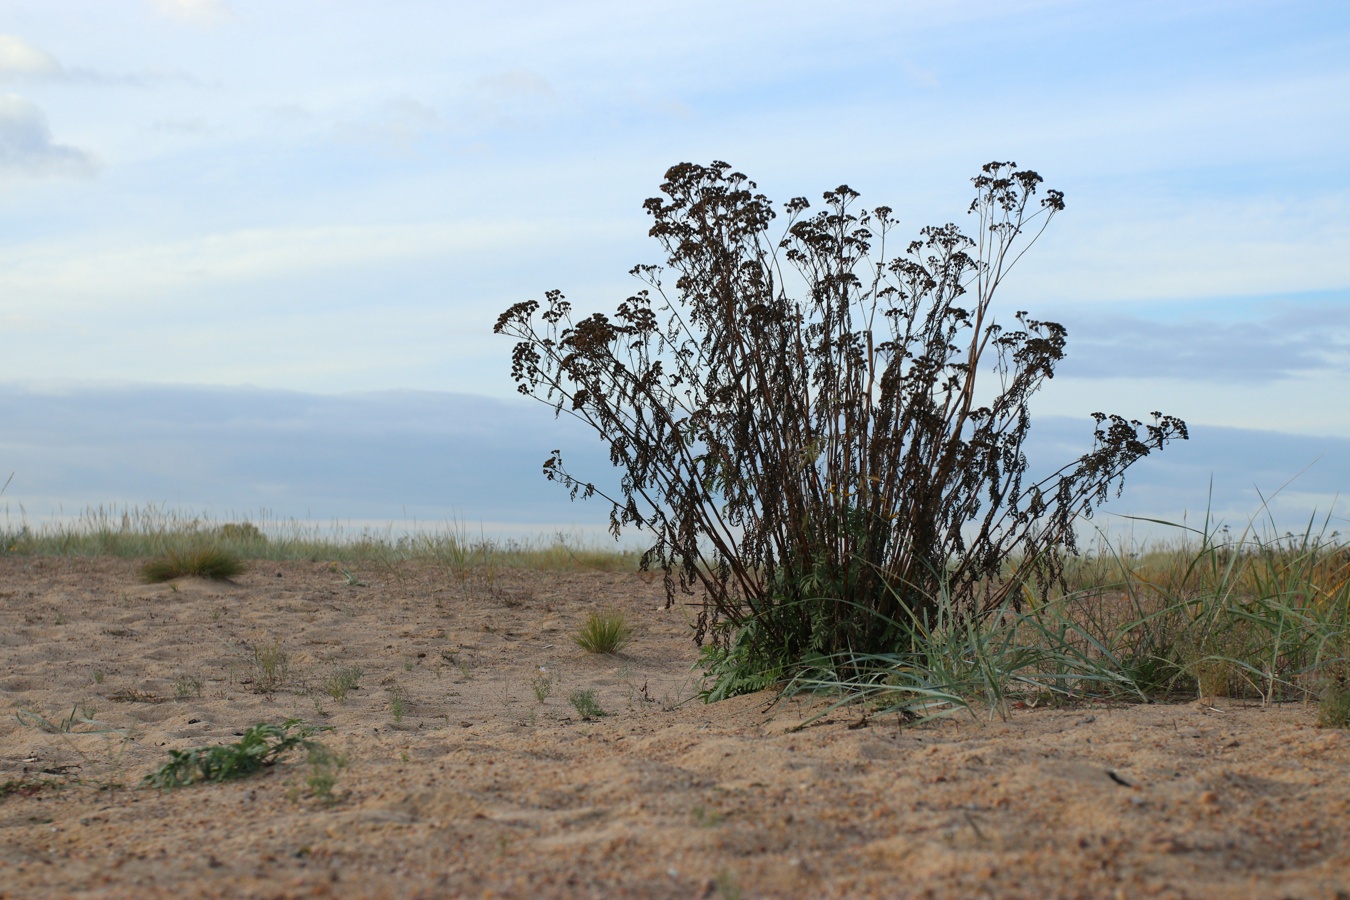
column 288, row 211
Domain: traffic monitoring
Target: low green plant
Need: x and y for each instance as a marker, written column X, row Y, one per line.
column 271, row 666
column 186, row 686
column 605, row 631
column 725, row 883
column 350, row 578
column 342, row 682
column 542, row 684
column 261, row 746
column 198, row 562
column 324, row 768
column 398, row 701
column 706, row 818
column 585, row 704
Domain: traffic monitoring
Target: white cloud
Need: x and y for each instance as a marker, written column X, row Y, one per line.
column 1112, row 247
column 195, row 12
column 26, row 143
column 19, row 58
column 397, row 124
column 65, row 276
column 516, row 83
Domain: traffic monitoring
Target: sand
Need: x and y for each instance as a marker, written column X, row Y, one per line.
column 482, row 788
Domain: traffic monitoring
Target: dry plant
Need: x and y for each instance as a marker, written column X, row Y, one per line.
column 797, row 420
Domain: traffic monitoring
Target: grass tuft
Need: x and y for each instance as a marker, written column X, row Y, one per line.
column 606, row 631
column 198, row 562
column 342, row 682
column 1247, row 617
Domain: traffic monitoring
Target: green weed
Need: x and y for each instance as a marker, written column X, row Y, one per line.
column 342, row 682
column 398, row 701
column 585, row 704
column 186, row 686
column 324, row 768
column 542, row 684
column 260, row 746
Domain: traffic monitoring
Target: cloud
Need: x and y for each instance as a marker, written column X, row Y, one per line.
column 19, row 58
column 183, row 125
column 507, row 99
column 924, row 77
column 62, row 273
column 26, row 143
column 1297, row 341
column 1271, row 479
column 441, row 457
column 387, row 455
column 195, row 12
column 515, row 83
column 396, row 125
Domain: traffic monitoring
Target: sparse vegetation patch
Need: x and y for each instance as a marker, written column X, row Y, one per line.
column 261, row 746
column 606, row 631
column 197, row 562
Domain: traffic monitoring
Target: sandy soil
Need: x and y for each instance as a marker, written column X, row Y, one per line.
column 482, row 789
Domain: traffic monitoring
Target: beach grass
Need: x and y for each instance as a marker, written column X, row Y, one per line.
column 154, row 532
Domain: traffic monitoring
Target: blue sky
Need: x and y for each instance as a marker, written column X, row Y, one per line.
column 271, row 200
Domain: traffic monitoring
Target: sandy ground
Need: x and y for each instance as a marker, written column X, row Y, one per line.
column 481, row 788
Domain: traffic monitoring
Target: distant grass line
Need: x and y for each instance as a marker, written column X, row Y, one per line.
column 145, row 532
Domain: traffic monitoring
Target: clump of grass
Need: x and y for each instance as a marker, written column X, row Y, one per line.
column 261, row 746
column 605, row 631
column 542, row 684
column 342, row 682
column 241, row 533
column 1265, row 618
column 186, row 686
column 271, row 666
column 324, row 768
column 197, row 562
column 585, row 704
column 398, row 701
